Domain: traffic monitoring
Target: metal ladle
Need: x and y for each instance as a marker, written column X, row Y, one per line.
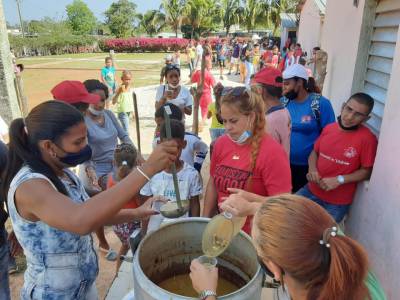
column 180, row 207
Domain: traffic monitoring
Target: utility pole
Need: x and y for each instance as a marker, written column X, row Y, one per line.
column 9, row 108
column 21, row 24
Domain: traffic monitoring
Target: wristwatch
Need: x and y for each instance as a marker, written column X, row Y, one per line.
column 204, row 294
column 340, row 179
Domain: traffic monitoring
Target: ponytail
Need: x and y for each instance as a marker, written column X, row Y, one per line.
column 291, row 231
column 346, row 274
column 47, row 121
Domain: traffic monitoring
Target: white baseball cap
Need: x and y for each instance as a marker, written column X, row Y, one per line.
column 295, row 70
column 168, row 57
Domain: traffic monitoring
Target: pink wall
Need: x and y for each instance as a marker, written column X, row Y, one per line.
column 310, row 27
column 374, row 219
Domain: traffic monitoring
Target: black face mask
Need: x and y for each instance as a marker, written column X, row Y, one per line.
column 274, row 284
column 352, row 128
column 77, row 158
column 292, row 95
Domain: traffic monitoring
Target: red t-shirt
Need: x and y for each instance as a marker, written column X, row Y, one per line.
column 340, row 153
column 131, row 204
column 230, row 168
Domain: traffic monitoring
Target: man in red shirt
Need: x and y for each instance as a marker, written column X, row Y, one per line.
column 343, row 155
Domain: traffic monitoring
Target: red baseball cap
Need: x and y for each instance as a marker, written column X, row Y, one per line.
column 72, row 91
column 269, row 76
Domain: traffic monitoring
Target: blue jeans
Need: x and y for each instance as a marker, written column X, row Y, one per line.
column 4, row 256
column 337, row 211
column 124, row 119
column 216, row 133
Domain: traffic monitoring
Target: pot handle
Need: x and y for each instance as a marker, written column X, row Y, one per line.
column 135, row 239
column 273, row 284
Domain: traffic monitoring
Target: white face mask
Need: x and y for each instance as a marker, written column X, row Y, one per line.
column 242, row 138
column 173, row 86
column 96, row 112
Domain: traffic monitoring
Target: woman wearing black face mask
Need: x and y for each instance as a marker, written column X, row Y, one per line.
column 310, row 113
column 51, row 213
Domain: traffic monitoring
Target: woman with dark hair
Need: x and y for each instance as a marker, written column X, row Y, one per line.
column 173, row 92
column 51, row 213
column 299, row 245
column 246, row 157
column 104, row 130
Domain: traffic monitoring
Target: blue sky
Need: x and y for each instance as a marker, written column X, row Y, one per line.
column 37, row 9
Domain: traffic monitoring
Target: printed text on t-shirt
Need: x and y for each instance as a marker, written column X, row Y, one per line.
column 228, row 177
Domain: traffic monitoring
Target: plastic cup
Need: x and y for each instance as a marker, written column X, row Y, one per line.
column 209, row 262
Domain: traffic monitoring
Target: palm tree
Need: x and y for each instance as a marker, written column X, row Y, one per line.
column 276, row 7
column 253, row 13
column 230, row 12
column 174, row 13
column 201, row 15
column 152, row 22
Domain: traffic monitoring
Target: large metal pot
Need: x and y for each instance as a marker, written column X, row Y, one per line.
column 169, row 251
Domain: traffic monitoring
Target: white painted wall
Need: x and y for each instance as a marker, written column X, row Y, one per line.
column 310, row 27
column 374, row 219
column 340, row 37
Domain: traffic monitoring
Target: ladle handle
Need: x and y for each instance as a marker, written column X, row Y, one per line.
column 173, row 166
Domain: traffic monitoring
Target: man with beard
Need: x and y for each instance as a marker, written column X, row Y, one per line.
column 343, row 156
column 310, row 113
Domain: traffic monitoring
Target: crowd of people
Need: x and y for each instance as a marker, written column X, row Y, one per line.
column 272, row 138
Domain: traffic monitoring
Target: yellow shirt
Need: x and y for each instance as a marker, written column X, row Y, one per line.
column 214, row 121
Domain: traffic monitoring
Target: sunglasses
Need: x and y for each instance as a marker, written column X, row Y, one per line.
column 234, row 91
column 173, row 67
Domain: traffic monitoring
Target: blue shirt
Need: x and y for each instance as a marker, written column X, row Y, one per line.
column 108, row 75
column 305, row 129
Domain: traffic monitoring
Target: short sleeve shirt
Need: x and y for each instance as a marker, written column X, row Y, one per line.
column 215, row 124
column 125, row 101
column 108, row 75
column 340, row 153
column 184, row 98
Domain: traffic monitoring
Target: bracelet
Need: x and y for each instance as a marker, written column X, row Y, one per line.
column 143, row 173
column 206, row 293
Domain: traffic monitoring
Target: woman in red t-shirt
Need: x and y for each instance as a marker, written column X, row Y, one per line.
column 246, row 157
column 125, row 159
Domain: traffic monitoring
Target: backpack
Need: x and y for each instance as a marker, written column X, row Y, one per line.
column 315, row 107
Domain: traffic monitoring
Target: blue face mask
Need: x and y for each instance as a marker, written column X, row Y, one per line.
column 243, row 138
column 77, row 158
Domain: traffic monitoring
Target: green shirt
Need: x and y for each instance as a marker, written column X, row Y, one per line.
column 125, row 101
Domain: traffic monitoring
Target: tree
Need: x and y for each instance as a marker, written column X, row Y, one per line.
column 253, row 13
column 230, row 13
column 174, row 13
column 80, row 18
column 276, row 7
column 120, row 18
column 152, row 22
column 201, row 15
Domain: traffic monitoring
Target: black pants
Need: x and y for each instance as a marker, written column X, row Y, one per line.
column 299, row 178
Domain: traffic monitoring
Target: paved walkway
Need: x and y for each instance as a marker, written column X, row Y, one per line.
column 122, row 287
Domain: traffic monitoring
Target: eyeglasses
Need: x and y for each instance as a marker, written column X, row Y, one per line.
column 357, row 114
column 173, row 67
column 234, row 91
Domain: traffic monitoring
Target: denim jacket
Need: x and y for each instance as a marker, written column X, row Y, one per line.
column 60, row 264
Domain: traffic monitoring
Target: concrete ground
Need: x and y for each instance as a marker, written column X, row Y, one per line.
column 123, row 282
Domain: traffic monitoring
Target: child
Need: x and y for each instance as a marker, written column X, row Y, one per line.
column 125, row 159
column 217, row 128
column 206, row 98
column 195, row 151
column 124, row 100
column 108, row 75
column 176, row 59
column 161, row 184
